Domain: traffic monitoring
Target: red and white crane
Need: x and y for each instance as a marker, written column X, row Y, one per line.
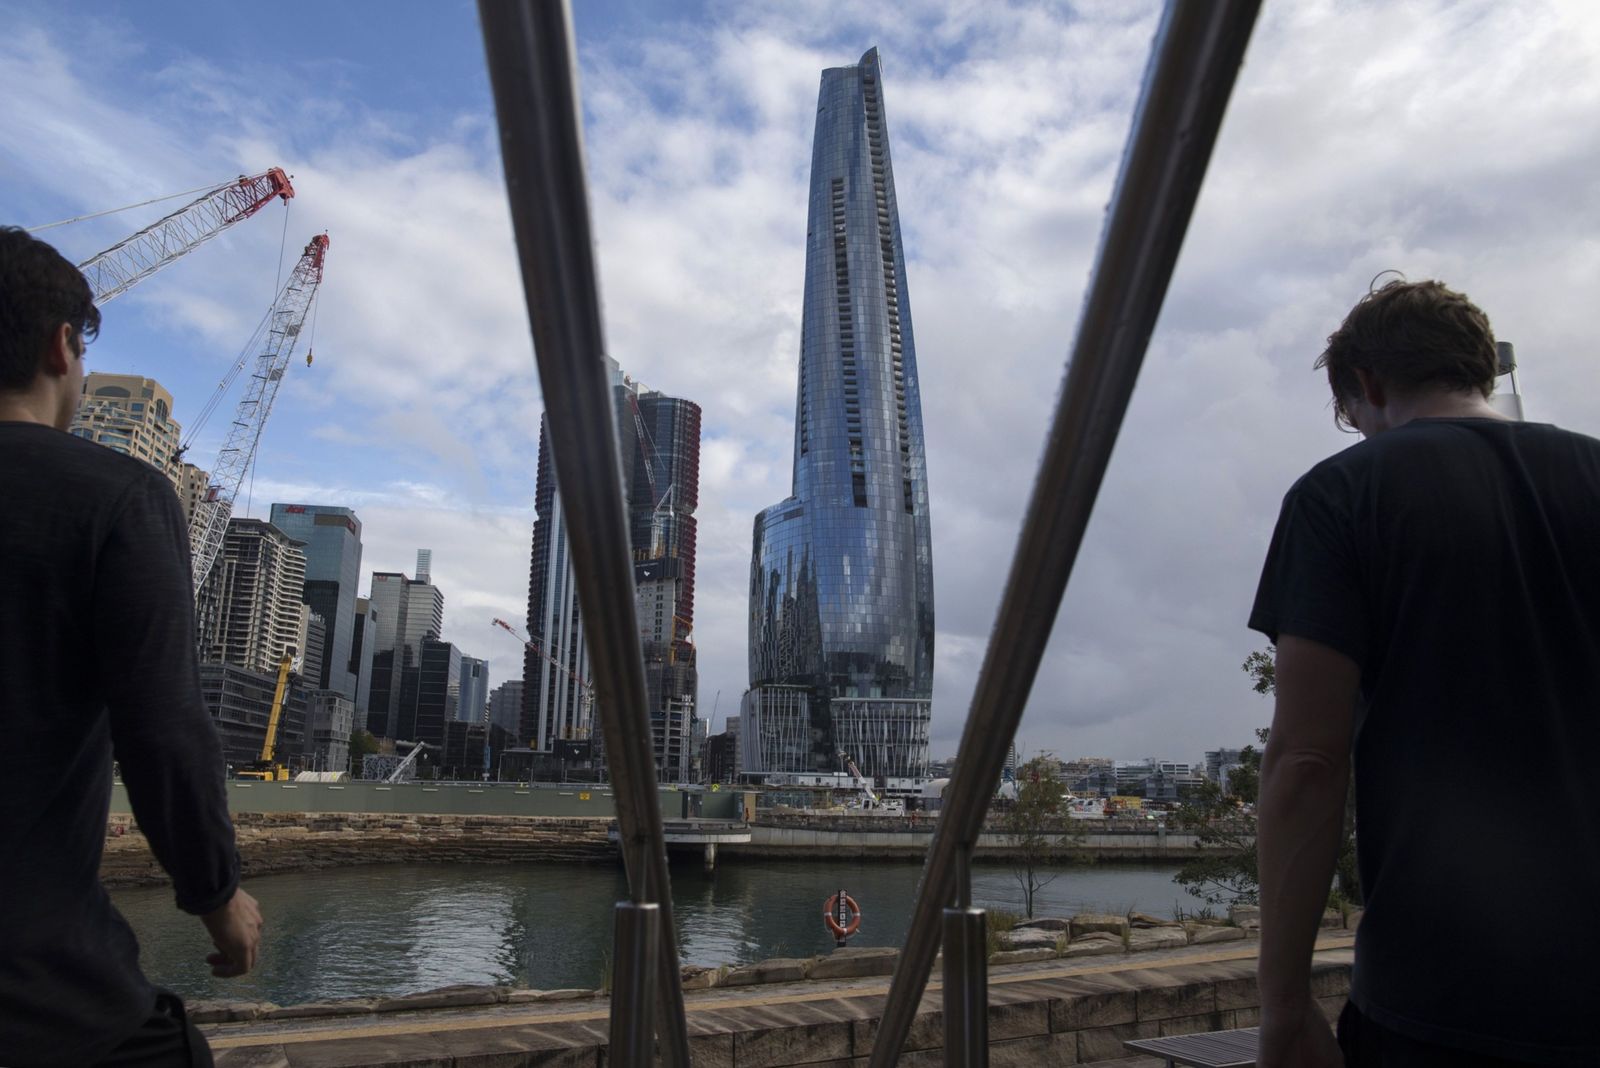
column 585, row 689
column 288, row 316
column 133, row 259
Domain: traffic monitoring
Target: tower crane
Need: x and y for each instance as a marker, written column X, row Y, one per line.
column 288, row 315
column 585, row 690
column 133, row 259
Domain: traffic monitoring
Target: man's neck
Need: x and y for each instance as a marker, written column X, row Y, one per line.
column 1439, row 405
column 30, row 407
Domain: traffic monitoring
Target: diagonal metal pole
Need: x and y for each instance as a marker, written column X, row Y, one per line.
column 1195, row 57
column 533, row 71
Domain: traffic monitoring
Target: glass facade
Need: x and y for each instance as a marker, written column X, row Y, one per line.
column 332, row 540
column 841, row 582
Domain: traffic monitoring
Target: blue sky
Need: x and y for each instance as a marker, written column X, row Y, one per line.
column 1363, row 136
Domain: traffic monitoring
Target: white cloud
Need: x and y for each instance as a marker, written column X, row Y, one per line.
column 1449, row 139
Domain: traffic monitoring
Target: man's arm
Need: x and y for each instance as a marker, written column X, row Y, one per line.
column 1300, row 814
column 161, row 731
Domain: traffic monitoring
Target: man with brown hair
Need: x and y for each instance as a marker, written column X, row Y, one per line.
column 1434, row 593
column 97, row 656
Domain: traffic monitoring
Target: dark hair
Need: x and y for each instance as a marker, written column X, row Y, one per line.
column 1411, row 335
column 39, row 290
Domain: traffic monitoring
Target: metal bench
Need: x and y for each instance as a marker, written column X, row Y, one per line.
column 1218, row 1049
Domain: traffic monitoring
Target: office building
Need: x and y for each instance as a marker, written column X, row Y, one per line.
column 659, row 442
column 408, row 612
column 363, row 635
column 331, row 537
column 505, row 706
column 841, row 590
column 240, row 702
column 132, row 415
column 430, row 693
column 330, row 716
column 254, row 592
column 473, row 706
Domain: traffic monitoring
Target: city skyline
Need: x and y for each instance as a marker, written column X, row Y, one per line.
column 698, row 123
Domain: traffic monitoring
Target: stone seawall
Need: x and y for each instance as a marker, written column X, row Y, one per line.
column 277, row 842
column 903, row 838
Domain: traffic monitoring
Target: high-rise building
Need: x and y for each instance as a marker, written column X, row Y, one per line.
column 255, row 588
column 192, row 484
column 362, row 638
column 311, row 637
column 659, row 441
column 505, row 706
column 332, row 539
column 408, row 612
column 474, row 686
column 329, row 719
column 430, row 693
column 841, row 578
column 132, row 415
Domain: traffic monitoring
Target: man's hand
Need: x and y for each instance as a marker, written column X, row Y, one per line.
column 1297, row 1038
column 236, row 932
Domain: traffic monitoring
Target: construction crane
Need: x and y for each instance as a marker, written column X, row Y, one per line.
column 133, row 259
column 267, row 769
column 405, row 765
column 288, row 316
column 868, row 797
column 585, row 690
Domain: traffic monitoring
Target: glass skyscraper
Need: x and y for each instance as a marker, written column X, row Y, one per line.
column 841, row 577
column 332, row 541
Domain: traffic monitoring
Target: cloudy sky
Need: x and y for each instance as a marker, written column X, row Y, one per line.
column 1452, row 140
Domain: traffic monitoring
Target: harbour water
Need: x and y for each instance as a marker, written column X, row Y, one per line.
column 394, row 929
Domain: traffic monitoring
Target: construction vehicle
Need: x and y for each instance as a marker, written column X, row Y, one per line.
column 210, row 522
column 135, row 258
column 869, row 799
column 267, row 769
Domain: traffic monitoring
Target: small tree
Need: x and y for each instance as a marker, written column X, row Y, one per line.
column 361, row 743
column 1038, row 811
column 1226, row 828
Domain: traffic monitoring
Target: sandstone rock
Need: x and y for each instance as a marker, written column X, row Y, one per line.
column 1205, row 934
column 1022, row 956
column 445, row 997
column 1045, row 923
column 337, row 1007
column 566, row 994
column 1246, row 916
column 1093, row 945
column 1353, row 921
column 523, row 996
column 856, row 963
column 1091, row 922
column 1143, row 938
column 1140, row 919
column 782, row 970
column 217, row 1011
column 741, row 976
column 1333, row 920
column 698, row 978
column 1028, row 938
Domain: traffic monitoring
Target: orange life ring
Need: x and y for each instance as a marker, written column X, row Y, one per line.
column 829, row 917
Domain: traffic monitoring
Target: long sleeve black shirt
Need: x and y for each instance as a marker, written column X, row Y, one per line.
column 97, row 657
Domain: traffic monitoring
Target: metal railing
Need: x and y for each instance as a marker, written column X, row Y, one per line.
column 1198, row 48
column 533, row 71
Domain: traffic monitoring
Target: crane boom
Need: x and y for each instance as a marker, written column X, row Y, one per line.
column 133, row 259
column 210, row 521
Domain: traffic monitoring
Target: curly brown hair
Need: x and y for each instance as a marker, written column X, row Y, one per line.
column 39, row 290
column 1410, row 336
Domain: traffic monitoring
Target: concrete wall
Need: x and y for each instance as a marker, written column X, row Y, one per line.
column 900, row 840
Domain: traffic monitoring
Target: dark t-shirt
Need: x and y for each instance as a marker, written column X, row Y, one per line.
column 1458, row 563
column 97, row 654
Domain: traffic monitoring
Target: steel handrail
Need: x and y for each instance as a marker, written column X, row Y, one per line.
column 1195, row 57
column 533, row 71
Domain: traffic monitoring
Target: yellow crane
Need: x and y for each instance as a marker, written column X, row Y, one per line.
column 266, row 769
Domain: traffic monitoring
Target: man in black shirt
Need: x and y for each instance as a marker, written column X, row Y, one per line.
column 97, row 657
column 1434, row 593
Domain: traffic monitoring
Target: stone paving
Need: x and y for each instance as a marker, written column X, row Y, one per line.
column 1060, row 1011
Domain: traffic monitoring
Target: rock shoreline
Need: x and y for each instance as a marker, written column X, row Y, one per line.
column 280, row 842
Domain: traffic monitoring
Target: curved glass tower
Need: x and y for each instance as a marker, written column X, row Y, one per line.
column 841, row 577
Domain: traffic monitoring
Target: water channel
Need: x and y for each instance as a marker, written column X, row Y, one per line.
column 393, row 929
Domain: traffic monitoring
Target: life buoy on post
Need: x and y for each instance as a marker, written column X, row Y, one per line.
column 842, row 915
